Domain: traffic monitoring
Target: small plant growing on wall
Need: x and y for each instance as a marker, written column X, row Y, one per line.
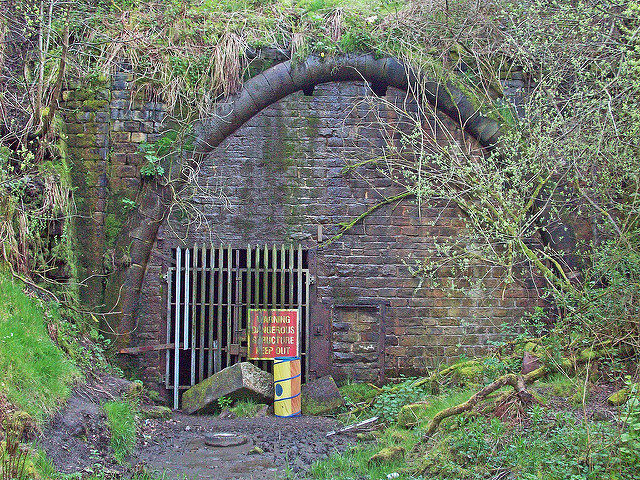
column 151, row 167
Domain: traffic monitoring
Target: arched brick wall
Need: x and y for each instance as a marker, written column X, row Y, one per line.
column 282, row 180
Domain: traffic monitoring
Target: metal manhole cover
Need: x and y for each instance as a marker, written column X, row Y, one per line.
column 224, row 440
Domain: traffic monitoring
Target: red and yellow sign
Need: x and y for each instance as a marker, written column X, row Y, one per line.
column 272, row 333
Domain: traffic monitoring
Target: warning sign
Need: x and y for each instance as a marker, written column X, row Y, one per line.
column 272, row 333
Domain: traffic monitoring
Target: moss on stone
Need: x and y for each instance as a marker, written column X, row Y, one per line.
column 412, row 414
column 618, row 398
column 388, row 455
column 159, row 411
column 83, row 140
column 314, row 408
column 311, row 128
column 93, row 104
column 469, row 373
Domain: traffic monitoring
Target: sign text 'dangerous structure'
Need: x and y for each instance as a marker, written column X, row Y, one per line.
column 272, row 333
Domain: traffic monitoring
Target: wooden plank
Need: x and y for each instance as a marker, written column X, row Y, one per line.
column 210, row 351
column 146, row 348
column 236, row 349
column 167, row 361
column 176, row 350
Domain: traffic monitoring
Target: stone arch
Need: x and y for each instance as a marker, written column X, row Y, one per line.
column 269, row 87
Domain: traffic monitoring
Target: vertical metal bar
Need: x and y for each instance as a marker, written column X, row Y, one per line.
column 220, row 279
column 274, row 277
column 168, row 352
column 203, row 263
column 237, row 299
column 257, row 294
column 265, row 284
column 282, row 286
column 187, row 282
column 210, row 286
column 306, row 323
column 194, row 323
column 249, row 281
column 229, row 261
column 176, row 337
column 291, row 278
column 299, row 272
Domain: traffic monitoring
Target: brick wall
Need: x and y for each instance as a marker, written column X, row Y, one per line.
column 105, row 121
column 280, row 179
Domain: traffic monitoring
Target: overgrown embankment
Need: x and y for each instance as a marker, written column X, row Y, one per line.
column 578, row 419
column 35, row 374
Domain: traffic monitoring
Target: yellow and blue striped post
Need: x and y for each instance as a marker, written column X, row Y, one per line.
column 286, row 378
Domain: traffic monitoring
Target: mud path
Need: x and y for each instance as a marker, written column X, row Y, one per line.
column 76, row 440
column 178, row 448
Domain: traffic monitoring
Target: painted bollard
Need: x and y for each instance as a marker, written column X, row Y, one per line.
column 286, row 379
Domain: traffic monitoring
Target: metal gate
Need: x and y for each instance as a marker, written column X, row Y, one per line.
column 210, row 292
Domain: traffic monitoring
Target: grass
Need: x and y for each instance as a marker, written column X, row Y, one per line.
column 354, row 462
column 561, row 385
column 35, row 375
column 246, row 408
column 121, row 421
column 357, row 392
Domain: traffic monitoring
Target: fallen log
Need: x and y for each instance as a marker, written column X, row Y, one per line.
column 518, row 382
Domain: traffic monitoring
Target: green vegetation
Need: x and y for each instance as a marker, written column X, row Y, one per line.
column 121, row 420
column 355, row 462
column 551, row 446
column 246, row 408
column 224, row 402
column 355, row 392
column 35, row 375
column 567, row 155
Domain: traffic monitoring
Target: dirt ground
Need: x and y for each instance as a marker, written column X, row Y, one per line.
column 77, row 440
column 177, row 446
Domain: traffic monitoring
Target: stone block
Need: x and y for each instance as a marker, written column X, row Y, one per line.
column 121, row 137
column 138, row 137
column 321, row 396
column 240, row 381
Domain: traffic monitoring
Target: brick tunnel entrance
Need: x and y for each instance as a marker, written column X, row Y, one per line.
column 210, row 292
column 281, row 180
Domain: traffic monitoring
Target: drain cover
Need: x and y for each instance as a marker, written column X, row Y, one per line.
column 224, row 440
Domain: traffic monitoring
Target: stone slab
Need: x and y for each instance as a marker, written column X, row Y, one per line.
column 322, row 394
column 240, row 381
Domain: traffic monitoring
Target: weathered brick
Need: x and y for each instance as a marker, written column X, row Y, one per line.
column 282, row 176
